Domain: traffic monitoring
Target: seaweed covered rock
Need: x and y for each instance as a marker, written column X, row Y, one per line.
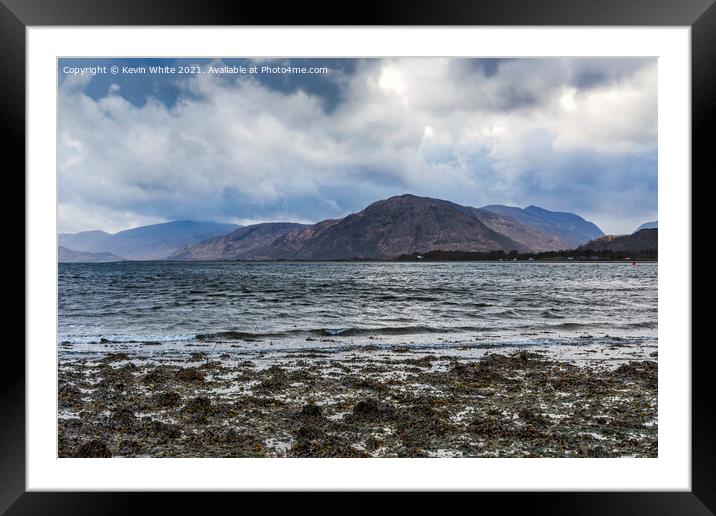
column 313, row 441
column 159, row 431
column 198, row 405
column 311, row 411
column 157, row 375
column 420, row 424
column 490, row 426
column 190, row 375
column 371, row 410
column 69, row 397
column 167, row 399
column 276, row 379
column 646, row 372
column 530, row 416
column 123, row 419
column 93, row 449
column 114, row 357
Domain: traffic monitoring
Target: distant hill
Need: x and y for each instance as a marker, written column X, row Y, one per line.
column 248, row 241
column 391, row 227
column 70, row 255
column 153, row 242
column 645, row 240
column 386, row 229
column 532, row 237
column 567, row 227
column 84, row 240
column 648, row 225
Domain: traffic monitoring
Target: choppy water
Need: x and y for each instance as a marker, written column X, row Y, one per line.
column 280, row 306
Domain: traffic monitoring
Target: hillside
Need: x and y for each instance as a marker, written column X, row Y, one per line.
column 645, row 240
column 386, row 229
column 567, row 227
column 248, row 241
column 153, row 242
column 66, row 255
column 648, row 225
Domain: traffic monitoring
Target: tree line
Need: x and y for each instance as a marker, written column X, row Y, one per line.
column 565, row 255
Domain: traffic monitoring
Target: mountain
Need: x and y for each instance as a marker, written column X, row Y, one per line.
column 648, row 225
column 82, row 241
column 250, row 241
column 70, row 255
column 533, row 238
column 567, row 227
column 386, row 229
column 645, row 240
column 153, row 242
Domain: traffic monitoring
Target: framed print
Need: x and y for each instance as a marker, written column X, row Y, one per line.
column 417, row 250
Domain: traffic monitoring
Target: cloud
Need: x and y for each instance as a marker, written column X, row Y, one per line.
column 567, row 134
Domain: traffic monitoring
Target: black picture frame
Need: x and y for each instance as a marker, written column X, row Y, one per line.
column 17, row 15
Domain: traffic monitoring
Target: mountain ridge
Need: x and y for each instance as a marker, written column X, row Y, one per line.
column 66, row 255
column 150, row 242
column 247, row 238
column 571, row 228
column 385, row 229
column 654, row 224
column 644, row 240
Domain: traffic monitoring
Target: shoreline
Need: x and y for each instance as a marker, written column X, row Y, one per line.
column 368, row 402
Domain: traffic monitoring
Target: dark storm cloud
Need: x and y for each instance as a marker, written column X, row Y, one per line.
column 566, row 134
column 167, row 88
column 489, row 67
column 328, row 86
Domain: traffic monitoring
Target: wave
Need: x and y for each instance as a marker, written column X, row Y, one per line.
column 388, row 330
column 124, row 339
column 571, row 326
column 236, row 335
column 638, row 325
column 336, row 332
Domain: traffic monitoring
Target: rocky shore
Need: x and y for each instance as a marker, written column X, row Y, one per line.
column 366, row 403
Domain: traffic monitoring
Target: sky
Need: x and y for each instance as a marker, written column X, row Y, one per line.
column 238, row 144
